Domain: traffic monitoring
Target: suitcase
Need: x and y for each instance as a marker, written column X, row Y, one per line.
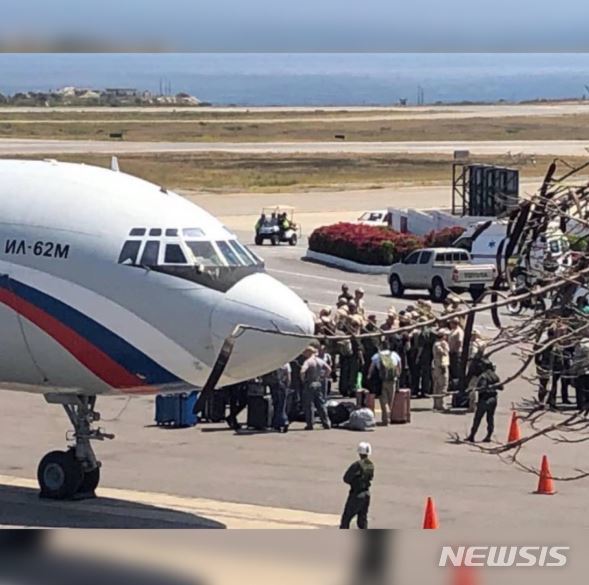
column 176, row 410
column 460, row 400
column 259, row 412
column 340, row 413
column 215, row 406
column 401, row 410
column 364, row 399
column 166, row 409
column 256, row 389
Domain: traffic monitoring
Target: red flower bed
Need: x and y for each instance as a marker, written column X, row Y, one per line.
column 375, row 245
column 443, row 238
column 363, row 243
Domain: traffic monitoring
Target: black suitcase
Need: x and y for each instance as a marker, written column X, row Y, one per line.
column 460, row 400
column 340, row 414
column 215, row 406
column 259, row 412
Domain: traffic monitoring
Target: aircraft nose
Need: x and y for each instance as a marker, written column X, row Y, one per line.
column 260, row 301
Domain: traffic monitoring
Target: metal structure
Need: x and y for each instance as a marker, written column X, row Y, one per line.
column 483, row 190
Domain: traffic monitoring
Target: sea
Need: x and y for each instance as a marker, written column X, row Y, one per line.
column 307, row 79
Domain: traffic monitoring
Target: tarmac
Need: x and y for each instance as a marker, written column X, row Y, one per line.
column 323, row 207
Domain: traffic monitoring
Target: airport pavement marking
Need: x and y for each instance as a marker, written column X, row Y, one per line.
column 340, row 280
column 232, row 515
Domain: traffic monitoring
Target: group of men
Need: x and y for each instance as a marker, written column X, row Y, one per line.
column 430, row 355
column 427, row 359
column 279, row 219
column 563, row 360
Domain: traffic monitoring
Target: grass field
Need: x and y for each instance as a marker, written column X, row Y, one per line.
column 181, row 127
column 224, row 172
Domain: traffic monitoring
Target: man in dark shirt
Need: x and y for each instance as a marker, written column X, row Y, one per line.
column 359, row 477
column 424, row 358
column 488, row 384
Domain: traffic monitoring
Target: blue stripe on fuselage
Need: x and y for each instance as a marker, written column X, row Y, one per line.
column 119, row 350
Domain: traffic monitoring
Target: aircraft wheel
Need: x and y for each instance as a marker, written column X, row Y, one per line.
column 60, row 475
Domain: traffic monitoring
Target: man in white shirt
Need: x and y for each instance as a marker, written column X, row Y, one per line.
column 385, row 372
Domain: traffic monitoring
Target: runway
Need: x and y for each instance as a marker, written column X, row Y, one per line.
column 399, row 112
column 165, row 115
column 15, row 147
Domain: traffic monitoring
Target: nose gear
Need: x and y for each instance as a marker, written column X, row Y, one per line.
column 74, row 473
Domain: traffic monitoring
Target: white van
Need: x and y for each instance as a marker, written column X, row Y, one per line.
column 483, row 241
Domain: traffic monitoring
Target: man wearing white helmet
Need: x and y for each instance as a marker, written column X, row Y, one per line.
column 359, row 477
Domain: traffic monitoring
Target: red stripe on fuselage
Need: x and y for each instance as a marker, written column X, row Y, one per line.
column 87, row 354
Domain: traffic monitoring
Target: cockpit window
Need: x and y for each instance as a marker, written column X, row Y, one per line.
column 129, row 252
column 186, row 254
column 193, row 233
column 245, row 253
column 204, row 253
column 174, row 255
column 233, row 259
column 155, row 232
column 150, row 253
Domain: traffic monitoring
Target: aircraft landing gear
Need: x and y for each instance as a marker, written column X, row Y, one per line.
column 74, row 473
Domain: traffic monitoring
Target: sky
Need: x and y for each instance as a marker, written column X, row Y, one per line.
column 308, row 25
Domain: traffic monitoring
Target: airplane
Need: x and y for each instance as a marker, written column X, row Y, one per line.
column 112, row 285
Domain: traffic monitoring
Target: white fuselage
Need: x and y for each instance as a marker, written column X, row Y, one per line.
column 111, row 284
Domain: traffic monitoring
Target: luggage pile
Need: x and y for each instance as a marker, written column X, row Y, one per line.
column 359, row 416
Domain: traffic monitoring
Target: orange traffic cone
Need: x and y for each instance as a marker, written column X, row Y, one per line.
column 430, row 521
column 546, row 484
column 514, row 432
column 464, row 576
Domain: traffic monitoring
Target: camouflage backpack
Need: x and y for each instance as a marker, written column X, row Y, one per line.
column 388, row 369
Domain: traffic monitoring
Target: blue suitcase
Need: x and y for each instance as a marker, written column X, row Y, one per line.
column 176, row 410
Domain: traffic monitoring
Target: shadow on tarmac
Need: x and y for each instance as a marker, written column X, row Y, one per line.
column 23, row 507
